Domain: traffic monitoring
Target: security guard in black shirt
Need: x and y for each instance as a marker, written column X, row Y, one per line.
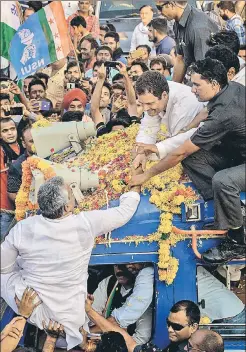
column 192, row 29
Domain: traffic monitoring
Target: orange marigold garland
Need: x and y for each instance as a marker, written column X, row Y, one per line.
column 22, row 201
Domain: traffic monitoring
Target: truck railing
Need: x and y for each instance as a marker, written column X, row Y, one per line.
column 222, row 326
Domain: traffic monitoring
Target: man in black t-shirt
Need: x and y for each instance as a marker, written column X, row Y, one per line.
column 215, row 155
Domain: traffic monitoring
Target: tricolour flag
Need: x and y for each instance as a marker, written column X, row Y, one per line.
column 10, row 22
column 41, row 40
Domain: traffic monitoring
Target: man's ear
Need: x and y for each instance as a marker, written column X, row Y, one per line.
column 194, row 328
column 23, row 143
column 164, row 95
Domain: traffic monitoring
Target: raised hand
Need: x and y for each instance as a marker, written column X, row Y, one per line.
column 102, row 73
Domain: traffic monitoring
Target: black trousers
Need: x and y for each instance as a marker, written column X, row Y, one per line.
column 221, row 178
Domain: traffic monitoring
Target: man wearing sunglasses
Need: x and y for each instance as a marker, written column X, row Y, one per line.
column 192, row 28
column 205, row 341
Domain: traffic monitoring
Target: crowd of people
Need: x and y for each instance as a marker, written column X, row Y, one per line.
column 182, row 72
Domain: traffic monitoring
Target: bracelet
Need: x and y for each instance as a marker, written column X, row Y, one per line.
column 53, row 334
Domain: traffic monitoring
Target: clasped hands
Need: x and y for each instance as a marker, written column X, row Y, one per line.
column 140, row 154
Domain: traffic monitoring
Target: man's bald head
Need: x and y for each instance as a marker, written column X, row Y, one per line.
column 207, row 340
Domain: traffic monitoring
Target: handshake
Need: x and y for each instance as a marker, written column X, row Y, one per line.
column 139, row 173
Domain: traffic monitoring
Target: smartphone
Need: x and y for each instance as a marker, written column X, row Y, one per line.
column 137, row 54
column 45, row 106
column 17, row 110
column 70, row 85
column 5, row 84
column 111, row 64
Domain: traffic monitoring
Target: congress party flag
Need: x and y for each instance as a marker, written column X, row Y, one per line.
column 10, row 22
column 42, row 39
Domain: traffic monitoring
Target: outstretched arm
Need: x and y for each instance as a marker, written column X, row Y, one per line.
column 171, row 160
column 130, row 92
column 105, row 325
column 96, row 96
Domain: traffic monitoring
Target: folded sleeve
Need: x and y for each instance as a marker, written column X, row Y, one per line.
column 139, row 301
column 104, row 221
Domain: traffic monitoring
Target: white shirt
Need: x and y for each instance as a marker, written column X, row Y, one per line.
column 240, row 76
column 54, row 257
column 140, row 37
column 182, row 108
column 143, row 323
column 220, row 303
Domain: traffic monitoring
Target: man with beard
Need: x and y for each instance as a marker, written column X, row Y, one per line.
column 158, row 35
column 127, row 295
column 87, row 48
column 112, row 39
column 234, row 22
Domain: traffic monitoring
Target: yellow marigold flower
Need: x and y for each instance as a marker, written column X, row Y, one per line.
column 178, row 200
column 205, row 320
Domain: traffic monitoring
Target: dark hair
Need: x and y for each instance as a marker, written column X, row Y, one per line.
column 4, row 96
column 97, row 64
column 225, row 55
column 159, row 24
column 211, row 341
column 111, row 27
column 211, row 70
column 117, row 77
column 118, row 86
column 105, row 84
column 74, row 64
column 191, row 309
column 35, row 5
column 140, row 63
column 6, row 120
column 23, row 131
column 142, row 7
column 72, row 116
column 144, row 46
column 5, row 78
column 77, row 21
column 104, row 47
column 91, row 40
column 114, row 35
column 152, row 82
column 226, row 5
column 35, row 82
column 111, row 342
column 105, row 28
column 227, row 38
column 158, row 60
column 41, row 75
column 31, row 76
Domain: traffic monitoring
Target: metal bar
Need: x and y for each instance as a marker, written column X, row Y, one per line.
column 223, row 324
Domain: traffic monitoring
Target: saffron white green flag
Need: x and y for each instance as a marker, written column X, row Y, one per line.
column 10, row 22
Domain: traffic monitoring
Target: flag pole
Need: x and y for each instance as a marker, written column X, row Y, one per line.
column 75, row 54
column 20, row 13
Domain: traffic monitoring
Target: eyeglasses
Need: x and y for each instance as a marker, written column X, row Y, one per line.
column 176, row 327
column 193, row 349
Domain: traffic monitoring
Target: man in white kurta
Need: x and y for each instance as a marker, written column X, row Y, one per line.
column 52, row 257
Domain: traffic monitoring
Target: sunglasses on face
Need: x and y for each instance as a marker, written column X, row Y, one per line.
column 176, row 327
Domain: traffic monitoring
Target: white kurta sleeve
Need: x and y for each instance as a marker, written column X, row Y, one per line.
column 104, row 221
column 139, row 301
column 149, row 128
column 9, row 249
column 100, row 296
column 168, row 145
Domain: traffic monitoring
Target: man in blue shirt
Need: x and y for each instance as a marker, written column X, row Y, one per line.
column 158, row 35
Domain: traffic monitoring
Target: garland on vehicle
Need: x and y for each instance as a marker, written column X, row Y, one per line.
column 110, row 155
